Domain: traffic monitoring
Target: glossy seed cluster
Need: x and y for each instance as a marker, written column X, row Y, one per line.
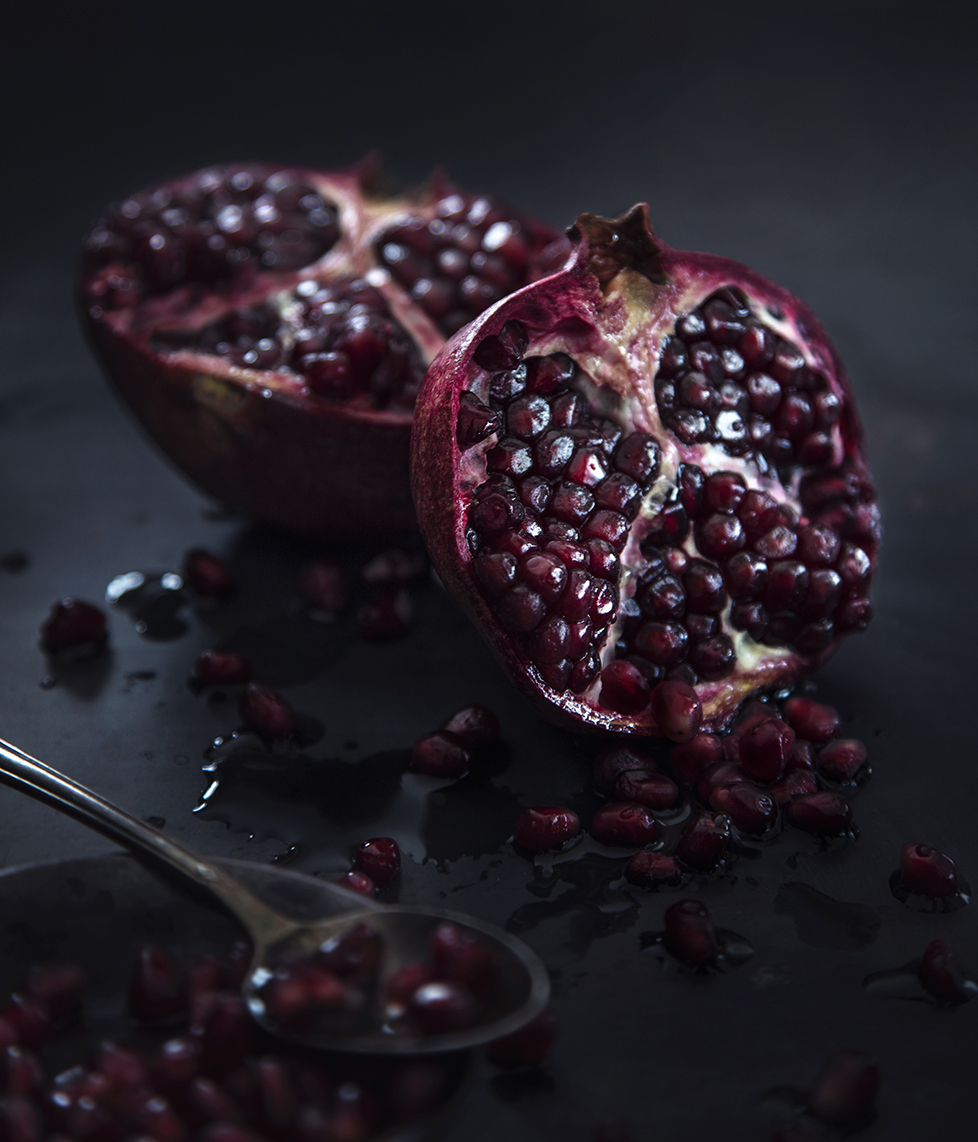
column 227, row 223
column 547, row 526
column 472, row 253
column 340, row 338
column 725, row 378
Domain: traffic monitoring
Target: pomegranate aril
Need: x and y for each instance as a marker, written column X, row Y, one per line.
column 614, row 760
column 704, row 842
column 21, row 1072
column 73, row 623
column 528, row 1046
column 653, row 790
column 392, row 567
column 765, row 748
column 226, row 1034
column 206, row 574
column 157, row 987
column 476, row 725
column 357, row 881
column 624, row 688
column 222, row 668
column 461, row 956
column 822, row 812
column 389, row 616
column 751, row 810
column 841, row 761
column 379, row 858
column 690, row 935
column 624, row 824
column 503, row 350
column 652, row 869
column 263, row 709
column 847, row 1088
column 545, row 573
column 720, row 536
column 544, row 827
column 794, row 783
column 439, row 1008
column 690, row 758
column 677, row 709
column 58, row 987
column 441, row 754
column 520, row 609
column 927, row 871
column 941, row 974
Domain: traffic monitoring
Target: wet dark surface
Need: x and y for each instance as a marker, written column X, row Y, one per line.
column 835, row 159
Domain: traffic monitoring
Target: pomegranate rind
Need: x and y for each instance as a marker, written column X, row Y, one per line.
column 610, row 308
column 257, row 440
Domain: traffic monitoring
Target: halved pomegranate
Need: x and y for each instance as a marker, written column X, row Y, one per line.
column 649, row 455
column 270, row 327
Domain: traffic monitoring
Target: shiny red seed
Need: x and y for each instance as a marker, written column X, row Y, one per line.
column 841, row 761
column 441, row 754
column 439, row 1008
column 544, row 827
column 157, row 987
column 794, row 783
column 941, row 974
column 462, row 956
column 690, row 758
column 357, row 881
column 266, row 711
column 528, row 1046
column 322, row 583
column 614, row 760
column 379, row 858
column 206, row 574
column 677, row 710
column 387, row 617
column 690, row 935
column 750, row 809
column 405, row 982
column 927, row 871
column 653, row 790
column 704, row 842
column 624, row 688
column 21, row 1072
column 476, row 725
column 847, row 1088
column 222, row 668
column 766, row 747
column 624, row 825
column 651, row 869
column 73, row 623
column 59, row 987
column 820, row 813
column 811, row 720
column 393, row 568
column 227, row 1034
column 720, row 773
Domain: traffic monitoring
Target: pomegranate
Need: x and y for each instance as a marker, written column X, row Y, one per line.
column 270, row 327
column 651, row 456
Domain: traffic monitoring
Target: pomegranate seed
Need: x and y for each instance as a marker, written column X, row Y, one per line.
column 811, row 720
column 624, row 825
column 207, row 974
column 846, row 1089
column 653, row 790
column 690, row 758
column 927, row 871
column 624, row 688
column 8, row 1035
column 21, row 1072
column 354, row 955
column 650, row 869
column 393, row 568
column 206, row 574
column 229, row 1132
column 299, row 994
column 176, row 1063
column 389, row 616
column 73, row 623
column 722, row 773
column 750, row 809
column 379, row 858
column 941, row 974
column 207, row 1101
column 461, row 956
column 405, row 982
column 58, row 988
column 820, row 813
column 441, row 754
column 20, row 1120
column 439, row 1008
column 794, row 783
column 544, row 827
column 677, row 710
column 222, row 668
column 614, row 760
column 475, row 725
column 802, row 755
column 476, row 420
column 503, row 351
column 841, row 761
column 766, row 747
column 528, row 1046
column 704, row 842
column 357, row 882
column 689, row 933
column 157, row 987
column 266, row 711
column 226, row 1034
column 322, row 583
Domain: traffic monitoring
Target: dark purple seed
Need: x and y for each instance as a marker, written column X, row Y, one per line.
column 652, row 869
column 624, row 825
column 638, row 456
column 941, row 974
column 750, row 809
column 571, row 503
column 222, row 668
column 439, row 1008
column 669, row 526
column 664, row 599
column 750, row 617
column 765, row 748
column 527, row 416
column 545, row 573
column 713, row 658
column 821, row 812
column 746, row 576
column 379, row 858
column 677, row 710
column 704, row 842
column 619, row 493
column 549, row 375
column 504, row 350
column 764, row 393
column 690, row 758
column 544, row 827
column 653, row 790
column 520, row 609
column 928, row 871
column 704, row 585
column 723, row 491
column 624, row 688
column 841, row 760
column 690, row 935
column 778, row 543
column 720, row 536
column 157, row 987
column 663, row 644
column 441, row 754
column 547, row 645
column 475, row 422
column 786, row 585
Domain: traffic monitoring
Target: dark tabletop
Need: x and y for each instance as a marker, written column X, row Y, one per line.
column 834, row 151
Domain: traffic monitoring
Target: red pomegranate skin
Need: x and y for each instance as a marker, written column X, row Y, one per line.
column 257, row 438
column 611, row 309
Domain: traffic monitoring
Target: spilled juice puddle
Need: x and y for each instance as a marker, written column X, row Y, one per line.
column 824, row 922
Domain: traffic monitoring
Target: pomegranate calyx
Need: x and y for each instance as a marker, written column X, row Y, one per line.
column 616, row 244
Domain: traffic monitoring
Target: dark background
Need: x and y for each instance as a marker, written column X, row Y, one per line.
column 830, row 146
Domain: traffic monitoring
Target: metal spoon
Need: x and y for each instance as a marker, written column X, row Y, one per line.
column 523, row 983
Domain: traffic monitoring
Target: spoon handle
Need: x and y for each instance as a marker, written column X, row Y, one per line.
column 28, row 775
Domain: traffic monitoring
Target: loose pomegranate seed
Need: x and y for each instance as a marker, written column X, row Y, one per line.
column 677, row 710
column 847, row 1088
column 624, row 825
column 528, row 1046
column 176, row 1063
column 653, row 790
column 651, row 869
column 614, row 760
column 841, row 761
column 300, row 994
column 690, row 758
column 266, row 711
column 379, row 858
column 206, row 574
column 357, row 881
column 322, row 583
column 820, row 813
column 941, row 974
column 389, row 616
column 544, row 827
column 704, row 842
column 157, row 987
column 624, row 688
column 355, row 955
column 750, row 809
column 460, row 956
column 227, row 1034
column 475, row 725
column 795, row 783
column 439, row 1008
column 441, row 754
column 811, row 720
column 766, row 747
column 405, row 982
column 690, row 935
column 222, row 668
column 58, row 988
column 73, row 623
column 714, row 776
column 927, row 871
